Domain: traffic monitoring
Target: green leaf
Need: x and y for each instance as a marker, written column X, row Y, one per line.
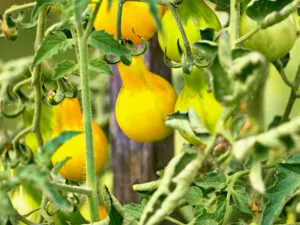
column 217, row 215
column 194, row 195
column 52, row 44
column 6, row 207
column 135, row 210
column 38, row 176
column 189, row 123
column 221, row 84
column 100, row 66
column 152, row 4
column 214, row 179
column 259, row 9
column 241, row 198
column 64, row 68
column 286, row 184
column 44, row 157
column 105, row 42
column 41, row 4
column 113, row 208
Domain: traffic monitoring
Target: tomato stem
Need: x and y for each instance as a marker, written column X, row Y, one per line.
column 292, row 98
column 36, row 80
column 119, row 19
column 82, row 50
column 89, row 26
column 234, row 22
column 189, row 57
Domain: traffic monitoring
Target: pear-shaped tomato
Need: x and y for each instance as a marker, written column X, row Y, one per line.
column 68, row 117
column 143, row 103
column 194, row 15
column 137, row 21
column 273, row 42
column 195, row 94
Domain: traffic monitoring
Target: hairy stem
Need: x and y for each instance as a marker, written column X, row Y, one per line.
column 91, row 181
column 36, row 81
column 292, row 98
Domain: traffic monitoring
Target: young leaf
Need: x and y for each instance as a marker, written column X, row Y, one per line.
column 241, row 198
column 105, row 42
column 64, row 68
column 100, row 66
column 44, row 157
column 36, row 175
column 214, row 179
column 259, row 9
column 113, row 208
column 52, row 44
column 287, row 182
column 41, row 4
column 194, row 195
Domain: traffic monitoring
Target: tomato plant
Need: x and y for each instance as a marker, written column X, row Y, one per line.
column 87, row 118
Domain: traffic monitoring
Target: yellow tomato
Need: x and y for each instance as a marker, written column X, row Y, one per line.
column 84, row 211
column 144, row 101
column 194, row 15
column 195, row 94
column 67, row 116
column 137, row 21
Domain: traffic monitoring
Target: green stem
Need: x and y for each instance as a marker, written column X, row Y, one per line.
column 73, row 189
column 43, row 205
column 91, row 180
column 174, row 220
column 21, row 83
column 119, row 19
column 36, row 80
column 292, row 98
column 189, row 60
column 19, row 8
column 20, row 135
column 233, row 26
column 248, row 35
column 89, row 26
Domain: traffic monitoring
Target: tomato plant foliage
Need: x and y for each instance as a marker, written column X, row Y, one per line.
column 240, row 162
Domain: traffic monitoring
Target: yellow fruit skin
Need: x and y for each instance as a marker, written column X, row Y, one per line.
column 143, row 103
column 75, row 168
column 136, row 20
column 273, row 42
column 194, row 16
column 194, row 94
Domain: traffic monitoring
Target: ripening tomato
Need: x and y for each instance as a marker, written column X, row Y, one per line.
column 194, row 15
column 137, row 21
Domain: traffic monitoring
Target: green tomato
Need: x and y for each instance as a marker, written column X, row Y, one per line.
column 24, row 199
column 194, row 16
column 273, row 42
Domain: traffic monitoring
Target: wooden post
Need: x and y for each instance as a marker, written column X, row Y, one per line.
column 134, row 162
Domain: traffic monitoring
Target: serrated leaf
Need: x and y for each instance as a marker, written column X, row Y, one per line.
column 293, row 159
column 35, row 175
column 52, row 44
column 214, row 179
column 6, row 207
column 241, row 198
column 100, row 66
column 105, row 42
column 64, row 68
column 285, row 186
column 41, row 4
column 221, row 84
column 135, row 210
column 259, row 9
column 194, row 195
column 217, row 215
column 113, row 208
column 189, row 123
column 44, row 157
